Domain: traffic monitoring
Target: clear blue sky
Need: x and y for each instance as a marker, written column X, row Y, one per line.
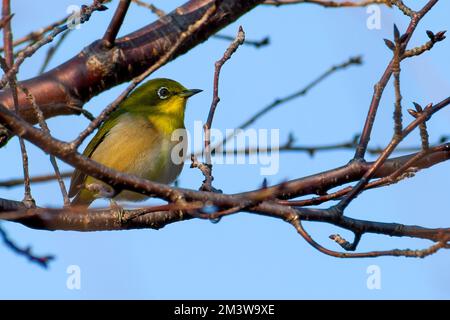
column 246, row 256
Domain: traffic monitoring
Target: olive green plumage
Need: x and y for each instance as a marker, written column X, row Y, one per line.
column 136, row 139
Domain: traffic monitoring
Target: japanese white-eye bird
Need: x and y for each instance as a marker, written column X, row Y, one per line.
column 137, row 139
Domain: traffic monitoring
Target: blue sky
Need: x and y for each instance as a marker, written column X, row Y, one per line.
column 247, row 256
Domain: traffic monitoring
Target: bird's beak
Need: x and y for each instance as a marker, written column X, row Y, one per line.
column 189, row 93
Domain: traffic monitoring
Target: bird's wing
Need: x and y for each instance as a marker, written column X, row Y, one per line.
column 78, row 177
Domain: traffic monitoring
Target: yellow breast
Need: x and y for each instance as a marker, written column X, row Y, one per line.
column 134, row 146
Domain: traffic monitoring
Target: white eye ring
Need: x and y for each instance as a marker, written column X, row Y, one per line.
column 163, row 93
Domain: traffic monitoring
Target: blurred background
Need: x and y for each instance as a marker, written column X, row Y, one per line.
column 247, row 256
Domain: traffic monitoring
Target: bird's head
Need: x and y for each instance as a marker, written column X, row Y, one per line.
column 164, row 97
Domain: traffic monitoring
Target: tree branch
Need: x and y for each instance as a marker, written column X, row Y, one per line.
column 328, row 4
column 379, row 87
column 97, row 69
column 113, row 29
column 239, row 40
column 6, row 65
column 43, row 261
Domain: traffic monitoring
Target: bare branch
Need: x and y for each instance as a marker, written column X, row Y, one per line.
column 97, row 69
column 254, row 43
column 240, row 37
column 36, row 179
column 372, row 254
column 111, row 61
column 151, row 7
column 136, row 81
column 280, row 101
column 113, row 29
column 328, row 4
column 37, row 35
column 379, row 87
column 434, row 38
column 31, row 49
column 398, row 121
column 52, row 50
column 43, row 261
column 424, row 116
column 6, row 66
column 44, row 126
column 403, row 8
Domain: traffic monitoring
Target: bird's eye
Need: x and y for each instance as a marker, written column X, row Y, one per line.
column 163, row 93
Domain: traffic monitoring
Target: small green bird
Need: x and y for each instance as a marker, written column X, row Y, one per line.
column 136, row 139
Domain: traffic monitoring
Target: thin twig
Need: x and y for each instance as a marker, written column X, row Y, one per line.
column 424, row 137
column 44, row 126
column 240, row 37
column 299, row 93
column 151, row 7
column 116, row 22
column 423, row 117
column 254, row 43
column 372, row 254
column 43, row 261
column 406, row 170
column 52, row 50
column 398, row 126
column 5, row 20
column 328, row 4
column 434, row 38
column 85, row 14
column 380, row 86
column 403, row 8
column 206, row 170
column 160, row 13
column 37, row 35
column 6, row 66
column 136, row 81
column 262, row 201
column 289, row 146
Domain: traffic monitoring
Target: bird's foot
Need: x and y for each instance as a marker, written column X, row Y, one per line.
column 118, row 209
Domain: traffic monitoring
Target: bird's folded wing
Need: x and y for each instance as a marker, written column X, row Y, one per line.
column 78, row 177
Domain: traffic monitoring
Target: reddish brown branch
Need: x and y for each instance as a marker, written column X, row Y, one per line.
column 380, row 86
column 97, row 69
column 136, row 81
column 78, row 219
column 328, row 4
column 404, row 170
column 288, row 146
column 113, row 29
column 239, row 40
column 186, row 204
column 423, row 117
column 7, row 33
column 5, row 20
column 313, row 184
column 442, row 244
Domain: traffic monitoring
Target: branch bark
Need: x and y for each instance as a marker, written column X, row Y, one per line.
column 97, row 68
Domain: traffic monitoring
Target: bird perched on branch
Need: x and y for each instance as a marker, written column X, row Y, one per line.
column 137, row 139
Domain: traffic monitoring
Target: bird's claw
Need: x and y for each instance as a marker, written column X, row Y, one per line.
column 119, row 211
